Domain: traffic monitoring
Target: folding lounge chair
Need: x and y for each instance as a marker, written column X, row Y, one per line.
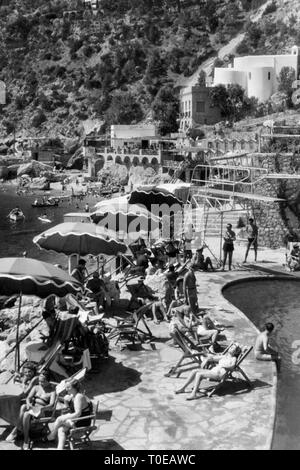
column 229, row 374
column 81, row 435
column 128, row 328
column 191, row 351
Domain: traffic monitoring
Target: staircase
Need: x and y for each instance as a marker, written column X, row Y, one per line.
column 209, row 223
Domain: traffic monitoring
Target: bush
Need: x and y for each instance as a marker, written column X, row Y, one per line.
column 38, row 118
column 271, row 8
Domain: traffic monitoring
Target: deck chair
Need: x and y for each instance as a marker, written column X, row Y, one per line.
column 40, row 426
column 128, row 328
column 229, row 374
column 81, row 435
column 191, row 352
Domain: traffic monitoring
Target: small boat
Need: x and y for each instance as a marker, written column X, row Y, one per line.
column 16, row 215
column 44, row 219
column 48, row 203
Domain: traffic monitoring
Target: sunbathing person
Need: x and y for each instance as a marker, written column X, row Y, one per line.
column 28, row 380
column 223, row 363
column 262, row 349
column 40, row 399
column 209, row 330
column 80, row 406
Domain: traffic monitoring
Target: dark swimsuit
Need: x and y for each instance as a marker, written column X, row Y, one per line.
column 87, row 411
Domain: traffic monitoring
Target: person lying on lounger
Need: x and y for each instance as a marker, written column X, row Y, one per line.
column 224, row 362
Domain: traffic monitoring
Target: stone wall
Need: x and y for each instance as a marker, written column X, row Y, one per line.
column 278, row 220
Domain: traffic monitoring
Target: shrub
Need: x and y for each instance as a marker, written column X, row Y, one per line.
column 271, row 8
column 38, row 118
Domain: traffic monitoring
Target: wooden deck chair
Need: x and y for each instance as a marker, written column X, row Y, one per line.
column 191, row 352
column 229, row 374
column 128, row 328
column 81, row 434
column 40, row 426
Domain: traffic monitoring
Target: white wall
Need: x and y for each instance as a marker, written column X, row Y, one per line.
column 230, row 76
column 259, row 84
column 133, row 131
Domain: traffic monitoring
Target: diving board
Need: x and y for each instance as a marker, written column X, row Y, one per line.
column 254, row 197
column 281, row 176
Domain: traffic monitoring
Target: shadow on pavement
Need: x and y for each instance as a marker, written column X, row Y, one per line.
column 113, row 377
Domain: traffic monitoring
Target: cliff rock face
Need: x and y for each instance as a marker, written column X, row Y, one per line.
column 64, row 65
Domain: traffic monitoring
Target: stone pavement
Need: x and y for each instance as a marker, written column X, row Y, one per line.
column 139, row 409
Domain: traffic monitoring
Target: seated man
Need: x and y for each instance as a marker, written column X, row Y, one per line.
column 96, row 290
column 262, row 349
column 80, row 272
column 224, row 362
column 180, row 321
column 200, row 262
column 293, row 259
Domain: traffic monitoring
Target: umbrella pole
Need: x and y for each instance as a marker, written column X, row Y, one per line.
column 17, row 355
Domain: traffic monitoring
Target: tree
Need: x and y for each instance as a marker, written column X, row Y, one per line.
column 232, row 101
column 166, row 110
column 202, row 79
column 124, row 109
column 286, row 79
column 155, row 71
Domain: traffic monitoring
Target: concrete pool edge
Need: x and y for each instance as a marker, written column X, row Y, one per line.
column 272, row 364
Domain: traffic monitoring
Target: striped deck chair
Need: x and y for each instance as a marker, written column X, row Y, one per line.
column 63, row 331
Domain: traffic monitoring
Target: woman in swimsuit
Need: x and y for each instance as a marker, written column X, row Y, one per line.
column 80, row 406
column 40, row 399
column 223, row 363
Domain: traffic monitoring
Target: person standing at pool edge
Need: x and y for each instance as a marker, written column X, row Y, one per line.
column 252, row 231
column 228, row 246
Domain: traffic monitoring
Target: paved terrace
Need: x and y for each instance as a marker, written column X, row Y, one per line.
column 139, row 409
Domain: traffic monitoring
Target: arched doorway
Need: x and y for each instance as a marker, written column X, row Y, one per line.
column 145, row 161
column 118, row 160
column 135, row 161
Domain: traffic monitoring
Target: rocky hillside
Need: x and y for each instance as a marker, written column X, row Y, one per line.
column 64, row 63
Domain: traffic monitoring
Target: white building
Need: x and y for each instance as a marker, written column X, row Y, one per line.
column 258, row 75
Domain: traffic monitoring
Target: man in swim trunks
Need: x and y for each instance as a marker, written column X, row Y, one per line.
column 252, row 231
column 262, row 349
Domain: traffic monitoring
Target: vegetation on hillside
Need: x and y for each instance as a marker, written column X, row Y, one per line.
column 63, row 64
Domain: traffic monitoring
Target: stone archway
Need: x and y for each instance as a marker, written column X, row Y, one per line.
column 154, row 162
column 127, row 161
column 135, row 161
column 145, row 161
column 109, row 158
column 118, row 160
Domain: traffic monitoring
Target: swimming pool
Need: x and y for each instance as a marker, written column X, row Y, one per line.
column 277, row 300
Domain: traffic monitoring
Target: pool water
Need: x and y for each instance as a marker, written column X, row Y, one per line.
column 278, row 301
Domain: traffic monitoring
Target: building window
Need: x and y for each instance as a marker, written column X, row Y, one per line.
column 250, row 75
column 200, row 107
column 269, row 75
